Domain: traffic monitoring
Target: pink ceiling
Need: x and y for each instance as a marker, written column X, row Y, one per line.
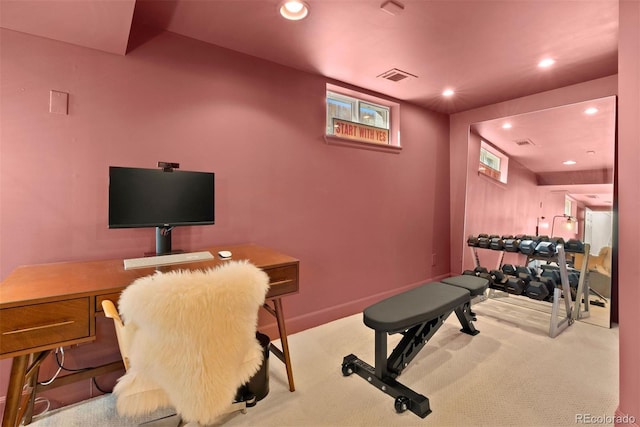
column 102, row 25
column 486, row 50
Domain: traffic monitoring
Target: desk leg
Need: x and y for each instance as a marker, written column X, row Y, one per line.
column 283, row 354
column 14, row 391
column 32, row 380
column 19, row 405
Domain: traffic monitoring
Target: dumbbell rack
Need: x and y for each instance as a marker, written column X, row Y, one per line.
column 582, row 293
column 556, row 324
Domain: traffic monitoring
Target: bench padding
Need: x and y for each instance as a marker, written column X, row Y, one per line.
column 415, row 306
column 475, row 285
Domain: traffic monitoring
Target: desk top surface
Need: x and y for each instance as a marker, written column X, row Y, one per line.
column 41, row 282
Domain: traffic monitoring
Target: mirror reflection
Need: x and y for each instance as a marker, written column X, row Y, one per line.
column 546, row 173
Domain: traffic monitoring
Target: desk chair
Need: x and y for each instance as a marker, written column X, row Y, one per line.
column 188, row 340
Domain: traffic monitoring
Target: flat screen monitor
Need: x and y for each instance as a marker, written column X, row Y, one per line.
column 163, row 199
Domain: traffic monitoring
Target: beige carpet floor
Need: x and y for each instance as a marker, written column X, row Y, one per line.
column 511, row 374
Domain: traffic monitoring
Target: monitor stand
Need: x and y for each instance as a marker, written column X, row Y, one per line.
column 163, row 242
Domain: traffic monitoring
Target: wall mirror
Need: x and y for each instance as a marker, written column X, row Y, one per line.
column 549, row 172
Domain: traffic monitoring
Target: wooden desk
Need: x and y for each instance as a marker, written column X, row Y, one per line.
column 46, row 306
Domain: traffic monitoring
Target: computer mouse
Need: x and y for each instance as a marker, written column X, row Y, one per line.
column 224, row 254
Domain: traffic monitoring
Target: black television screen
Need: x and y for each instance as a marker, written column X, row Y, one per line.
column 155, row 198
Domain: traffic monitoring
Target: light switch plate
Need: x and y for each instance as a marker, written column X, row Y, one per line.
column 58, row 102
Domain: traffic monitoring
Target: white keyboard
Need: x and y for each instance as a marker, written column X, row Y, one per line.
column 160, row 260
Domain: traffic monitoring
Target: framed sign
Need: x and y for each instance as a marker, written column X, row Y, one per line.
column 359, row 132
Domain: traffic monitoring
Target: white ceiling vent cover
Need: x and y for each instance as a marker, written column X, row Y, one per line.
column 396, row 75
column 392, row 7
column 524, row 142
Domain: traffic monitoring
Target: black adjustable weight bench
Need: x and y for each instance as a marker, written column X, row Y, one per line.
column 417, row 314
column 475, row 285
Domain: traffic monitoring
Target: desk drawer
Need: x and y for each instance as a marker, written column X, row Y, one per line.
column 112, row 297
column 282, row 280
column 43, row 324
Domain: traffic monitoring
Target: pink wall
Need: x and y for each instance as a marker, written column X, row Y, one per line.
column 363, row 223
column 629, row 207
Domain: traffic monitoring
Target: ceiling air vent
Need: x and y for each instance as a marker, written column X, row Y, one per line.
column 524, row 142
column 592, row 196
column 396, row 75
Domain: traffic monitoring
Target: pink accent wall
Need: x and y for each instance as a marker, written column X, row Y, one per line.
column 364, row 224
column 629, row 207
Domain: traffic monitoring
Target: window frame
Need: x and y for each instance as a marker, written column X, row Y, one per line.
column 377, row 109
column 500, row 174
column 360, row 100
column 345, row 99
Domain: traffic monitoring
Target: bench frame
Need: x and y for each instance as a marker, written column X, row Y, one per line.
column 383, row 376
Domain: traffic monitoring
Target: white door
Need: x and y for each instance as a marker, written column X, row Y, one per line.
column 598, row 229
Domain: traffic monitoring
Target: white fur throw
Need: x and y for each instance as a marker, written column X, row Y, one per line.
column 194, row 339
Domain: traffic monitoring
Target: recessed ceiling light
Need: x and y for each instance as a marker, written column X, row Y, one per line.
column 294, row 10
column 569, row 162
column 546, row 63
column 448, row 92
column 591, row 111
column 506, row 126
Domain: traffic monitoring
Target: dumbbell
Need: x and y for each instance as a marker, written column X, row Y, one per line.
column 472, row 241
column 496, row 243
column 546, row 249
column 540, row 289
column 537, row 290
column 515, row 285
column 499, row 279
column 574, row 245
column 484, row 241
column 528, row 271
column 509, row 269
column 551, row 272
column 574, row 277
column 528, row 245
column 484, row 273
column 511, row 244
column 557, row 240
